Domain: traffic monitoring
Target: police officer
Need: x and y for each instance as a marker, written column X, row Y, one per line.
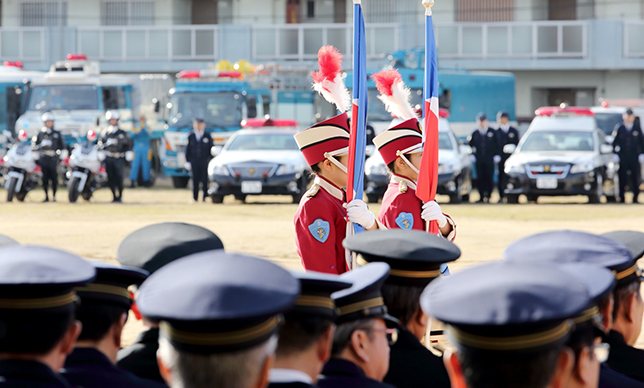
column 150, row 248
column 305, row 339
column 104, row 307
column 116, row 143
column 37, row 305
column 485, row 145
column 141, row 148
column 629, row 146
column 219, row 316
column 507, row 135
column 49, row 142
column 198, row 155
column 360, row 353
column 415, row 258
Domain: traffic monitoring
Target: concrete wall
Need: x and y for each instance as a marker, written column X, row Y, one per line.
column 619, row 9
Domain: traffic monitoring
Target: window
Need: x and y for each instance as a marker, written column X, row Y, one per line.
column 114, row 98
column 41, row 13
column 310, row 9
column 128, row 13
column 484, row 10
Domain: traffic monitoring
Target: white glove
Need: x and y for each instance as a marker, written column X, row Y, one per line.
column 640, row 158
column 473, row 158
column 188, row 166
column 432, row 212
column 358, row 213
column 497, row 159
column 129, row 156
column 616, row 158
column 101, row 155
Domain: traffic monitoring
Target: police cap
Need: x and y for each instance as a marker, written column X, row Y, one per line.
column 481, row 117
column 111, row 284
column 315, row 295
column 629, row 111
column 364, row 298
column 415, row 257
column 156, row 245
column 198, row 120
column 506, row 306
column 213, row 302
column 502, row 114
column 633, row 240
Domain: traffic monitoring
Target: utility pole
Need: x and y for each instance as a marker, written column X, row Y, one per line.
column 61, row 53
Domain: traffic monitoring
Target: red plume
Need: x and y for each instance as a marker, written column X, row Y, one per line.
column 329, row 81
column 330, row 62
column 385, row 80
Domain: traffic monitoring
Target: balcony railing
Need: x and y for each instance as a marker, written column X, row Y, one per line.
column 541, row 39
column 26, row 44
column 634, row 39
column 149, row 43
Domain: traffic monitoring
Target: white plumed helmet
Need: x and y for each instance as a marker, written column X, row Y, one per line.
column 112, row 114
column 47, row 116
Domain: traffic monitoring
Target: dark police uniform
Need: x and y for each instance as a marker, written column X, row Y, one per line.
column 485, row 145
column 609, row 378
column 198, row 155
column 629, row 144
column 150, row 248
column 415, row 258
column 338, row 373
column 115, row 144
column 33, row 307
column 509, row 136
column 88, row 367
column 624, row 358
column 49, row 142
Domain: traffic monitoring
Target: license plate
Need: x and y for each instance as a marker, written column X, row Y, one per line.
column 547, row 183
column 251, row 187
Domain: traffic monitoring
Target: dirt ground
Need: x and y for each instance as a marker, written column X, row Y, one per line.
column 264, row 225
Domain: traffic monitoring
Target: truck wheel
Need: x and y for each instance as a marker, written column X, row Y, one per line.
column 373, row 198
column 512, row 198
column 217, row 198
column 73, row 190
column 599, row 190
column 21, row 196
column 180, row 182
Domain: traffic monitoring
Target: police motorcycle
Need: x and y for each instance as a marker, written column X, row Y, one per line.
column 22, row 173
column 87, row 173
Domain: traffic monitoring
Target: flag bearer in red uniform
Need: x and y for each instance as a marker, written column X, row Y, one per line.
column 321, row 218
column 401, row 148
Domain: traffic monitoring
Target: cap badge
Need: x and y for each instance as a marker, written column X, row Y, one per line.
column 405, row 221
column 320, row 230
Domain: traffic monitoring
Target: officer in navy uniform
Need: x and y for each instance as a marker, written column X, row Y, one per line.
column 360, row 354
column 50, row 144
column 116, row 144
column 507, row 135
column 219, row 316
column 37, row 305
column 415, row 258
column 485, row 147
column 197, row 156
column 607, row 251
column 306, row 337
column 150, row 248
column 510, row 323
column 103, row 311
column 629, row 146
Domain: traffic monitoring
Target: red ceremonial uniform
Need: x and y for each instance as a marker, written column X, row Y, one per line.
column 320, row 228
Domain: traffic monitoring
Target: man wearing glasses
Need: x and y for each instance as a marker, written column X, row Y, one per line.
column 360, row 352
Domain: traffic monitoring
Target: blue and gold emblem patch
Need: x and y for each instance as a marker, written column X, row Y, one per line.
column 405, row 221
column 320, row 230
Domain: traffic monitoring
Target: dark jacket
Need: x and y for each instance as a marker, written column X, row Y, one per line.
column 339, row 373
column 623, row 358
column 29, row 374
column 87, row 367
column 291, row 385
column 628, row 144
column 140, row 358
column 117, row 142
column 53, row 141
column 485, row 146
column 412, row 365
column 609, row 378
column 512, row 137
column 198, row 152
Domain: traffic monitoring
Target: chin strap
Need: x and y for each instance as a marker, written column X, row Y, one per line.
column 410, row 150
column 331, row 157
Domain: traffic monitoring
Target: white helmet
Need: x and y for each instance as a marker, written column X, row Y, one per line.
column 112, row 114
column 47, row 116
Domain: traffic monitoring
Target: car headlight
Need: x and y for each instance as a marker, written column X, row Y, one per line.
column 515, row 169
column 581, row 168
column 289, row 169
column 220, row 169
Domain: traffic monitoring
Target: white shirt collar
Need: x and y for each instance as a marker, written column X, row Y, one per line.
column 397, row 179
column 279, row 375
column 505, row 127
column 330, row 188
column 629, row 127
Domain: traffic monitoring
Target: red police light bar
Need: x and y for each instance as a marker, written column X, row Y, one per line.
column 13, row 64
column 186, row 74
column 554, row 110
column 605, row 104
column 255, row 123
column 444, row 113
column 76, row 57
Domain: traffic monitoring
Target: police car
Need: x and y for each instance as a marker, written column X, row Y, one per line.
column 454, row 168
column 263, row 158
column 563, row 153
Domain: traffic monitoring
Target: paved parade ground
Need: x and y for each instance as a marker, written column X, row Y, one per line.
column 264, row 225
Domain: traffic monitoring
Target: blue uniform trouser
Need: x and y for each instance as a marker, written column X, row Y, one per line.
column 142, row 162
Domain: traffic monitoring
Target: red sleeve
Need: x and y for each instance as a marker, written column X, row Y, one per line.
column 403, row 212
column 318, row 252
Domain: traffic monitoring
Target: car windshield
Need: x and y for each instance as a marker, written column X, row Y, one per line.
column 377, row 111
column 607, row 121
column 559, row 141
column 67, row 97
column 263, row 142
column 444, row 141
column 223, row 109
